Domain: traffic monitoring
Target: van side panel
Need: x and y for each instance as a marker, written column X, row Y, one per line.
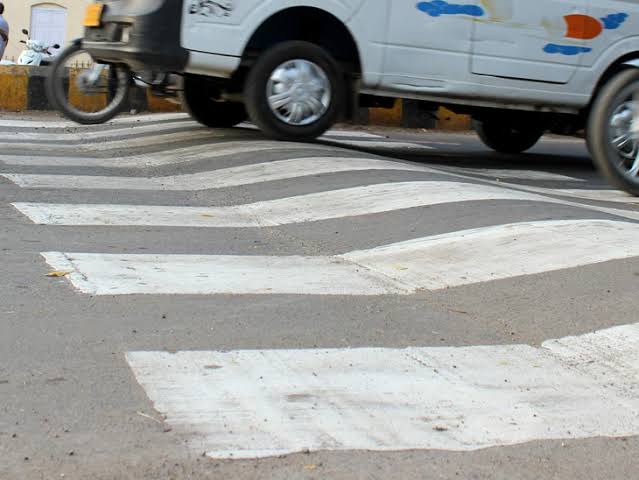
column 223, row 28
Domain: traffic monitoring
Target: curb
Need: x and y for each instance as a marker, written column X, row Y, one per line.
column 22, row 89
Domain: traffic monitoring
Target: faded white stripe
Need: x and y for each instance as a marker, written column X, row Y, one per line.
column 430, row 263
column 246, row 404
column 226, row 177
column 303, row 208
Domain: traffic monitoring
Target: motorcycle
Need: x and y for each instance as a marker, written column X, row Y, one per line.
column 89, row 92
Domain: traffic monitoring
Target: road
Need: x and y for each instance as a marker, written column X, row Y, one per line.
column 188, row 303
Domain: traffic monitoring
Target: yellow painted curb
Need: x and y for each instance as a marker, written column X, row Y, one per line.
column 157, row 104
column 447, row 120
column 387, row 117
column 14, row 85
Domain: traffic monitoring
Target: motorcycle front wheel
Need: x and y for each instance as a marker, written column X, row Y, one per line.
column 84, row 91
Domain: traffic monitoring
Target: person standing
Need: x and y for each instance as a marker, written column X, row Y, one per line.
column 4, row 31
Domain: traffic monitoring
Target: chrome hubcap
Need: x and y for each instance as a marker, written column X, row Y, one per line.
column 299, row 92
column 624, row 135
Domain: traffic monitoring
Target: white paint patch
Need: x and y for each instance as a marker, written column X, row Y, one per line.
column 226, row 177
column 430, row 263
column 261, row 403
column 166, row 157
column 385, row 145
column 198, row 133
column 343, row 203
column 84, row 136
column 123, row 120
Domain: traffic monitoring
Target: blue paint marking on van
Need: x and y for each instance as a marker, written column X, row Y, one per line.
column 614, row 21
column 437, row 8
column 553, row 48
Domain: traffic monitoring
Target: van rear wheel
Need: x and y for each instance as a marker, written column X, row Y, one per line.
column 508, row 135
column 295, row 91
column 613, row 139
column 201, row 99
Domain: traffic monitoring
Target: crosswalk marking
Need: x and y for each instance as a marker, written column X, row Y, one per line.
column 247, row 404
column 605, row 195
column 84, row 136
column 342, row 203
column 537, row 175
column 119, row 121
column 381, row 145
column 200, row 133
column 429, row 263
column 221, row 178
column 174, row 156
column 112, row 274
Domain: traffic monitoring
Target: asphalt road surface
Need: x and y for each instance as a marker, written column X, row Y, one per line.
column 180, row 303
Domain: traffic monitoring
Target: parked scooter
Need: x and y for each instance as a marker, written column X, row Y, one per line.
column 36, row 52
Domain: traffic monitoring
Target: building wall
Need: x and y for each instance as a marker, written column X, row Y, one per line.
column 18, row 14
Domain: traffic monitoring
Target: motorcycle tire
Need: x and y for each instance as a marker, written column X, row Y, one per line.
column 58, row 90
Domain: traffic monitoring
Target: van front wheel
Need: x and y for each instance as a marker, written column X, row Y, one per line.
column 295, row 91
column 506, row 135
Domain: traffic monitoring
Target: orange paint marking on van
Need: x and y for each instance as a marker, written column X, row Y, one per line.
column 583, row 27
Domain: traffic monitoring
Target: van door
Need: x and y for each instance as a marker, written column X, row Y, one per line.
column 428, row 43
column 541, row 40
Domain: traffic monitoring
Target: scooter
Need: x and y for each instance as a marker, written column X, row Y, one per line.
column 36, row 52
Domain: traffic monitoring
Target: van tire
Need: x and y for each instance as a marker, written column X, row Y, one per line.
column 198, row 99
column 605, row 157
column 257, row 81
column 507, row 135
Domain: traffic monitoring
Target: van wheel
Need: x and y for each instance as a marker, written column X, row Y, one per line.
column 613, row 144
column 199, row 98
column 508, row 135
column 295, row 91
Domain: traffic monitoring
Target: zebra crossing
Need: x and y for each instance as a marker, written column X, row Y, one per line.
column 246, row 404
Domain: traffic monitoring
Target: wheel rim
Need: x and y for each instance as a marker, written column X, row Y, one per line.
column 299, row 92
column 624, row 137
column 87, row 88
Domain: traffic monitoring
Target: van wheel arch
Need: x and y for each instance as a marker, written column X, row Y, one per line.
column 308, row 24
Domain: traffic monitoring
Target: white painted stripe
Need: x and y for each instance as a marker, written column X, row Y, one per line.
column 226, row 177
column 537, row 175
column 330, row 133
column 260, row 403
column 123, row 120
column 166, row 157
column 437, row 262
column 103, row 274
column 350, row 134
column 303, row 208
column 386, row 145
column 141, row 142
column 85, row 136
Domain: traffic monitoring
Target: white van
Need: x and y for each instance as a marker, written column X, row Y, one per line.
column 519, row 67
